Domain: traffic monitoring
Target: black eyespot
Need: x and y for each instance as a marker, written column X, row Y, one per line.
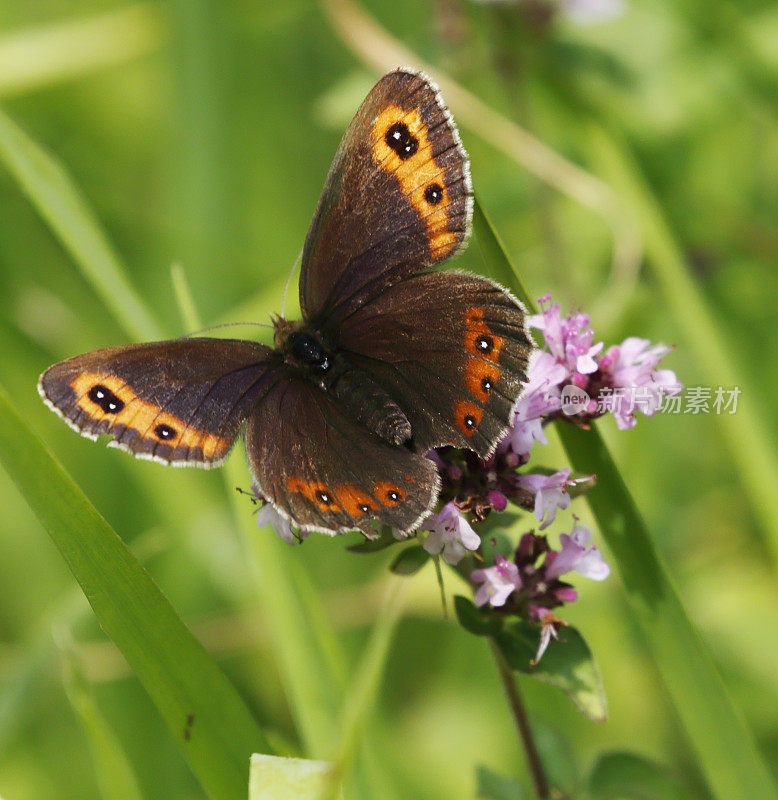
column 164, row 432
column 486, row 384
column 324, row 497
column 363, row 507
column 433, row 194
column 393, row 496
column 106, row 399
column 470, row 422
column 485, row 344
column 399, row 138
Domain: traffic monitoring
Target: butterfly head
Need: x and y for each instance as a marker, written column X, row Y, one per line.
column 301, row 346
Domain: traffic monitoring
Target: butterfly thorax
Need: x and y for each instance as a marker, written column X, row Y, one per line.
column 306, row 351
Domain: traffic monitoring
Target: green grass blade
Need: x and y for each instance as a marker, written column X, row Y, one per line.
column 367, row 681
column 40, row 56
column 496, row 264
column 310, row 655
column 57, row 199
column 313, row 687
column 744, row 432
column 187, row 309
column 725, row 747
column 180, row 677
column 201, row 86
column 115, row 776
column 39, row 649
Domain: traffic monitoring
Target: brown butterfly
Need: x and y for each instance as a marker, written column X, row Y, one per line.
column 389, row 360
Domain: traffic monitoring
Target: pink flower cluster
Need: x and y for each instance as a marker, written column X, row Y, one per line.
column 537, row 585
column 530, row 585
column 622, row 380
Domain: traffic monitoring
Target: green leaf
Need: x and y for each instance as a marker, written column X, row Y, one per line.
column 725, row 747
column 480, row 621
column 179, row 675
column 39, row 649
column 629, row 776
column 410, row 560
column 279, row 778
column 556, row 755
column 567, row 664
column 51, row 190
column 491, row 786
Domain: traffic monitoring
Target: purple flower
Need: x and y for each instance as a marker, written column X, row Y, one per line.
column 568, row 338
column 629, row 370
column 498, row 582
column 530, row 585
column 451, row 533
column 550, row 494
column 541, row 397
column 622, row 380
column 575, row 556
column 497, row 500
column 268, row 515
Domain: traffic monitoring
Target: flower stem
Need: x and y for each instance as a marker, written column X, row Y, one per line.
column 522, row 724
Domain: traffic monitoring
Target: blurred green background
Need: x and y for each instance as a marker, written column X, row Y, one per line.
column 201, row 134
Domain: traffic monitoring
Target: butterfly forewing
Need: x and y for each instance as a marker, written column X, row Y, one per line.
column 180, row 402
column 397, row 199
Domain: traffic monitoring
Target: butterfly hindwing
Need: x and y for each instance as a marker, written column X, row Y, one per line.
column 451, row 349
column 327, row 472
column 180, row 402
column 397, row 199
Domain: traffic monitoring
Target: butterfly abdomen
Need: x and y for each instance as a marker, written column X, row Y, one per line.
column 370, row 405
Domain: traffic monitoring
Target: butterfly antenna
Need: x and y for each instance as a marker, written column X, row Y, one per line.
column 288, row 281
column 227, row 325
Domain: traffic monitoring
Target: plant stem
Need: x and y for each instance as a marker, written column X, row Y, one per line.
column 522, row 724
